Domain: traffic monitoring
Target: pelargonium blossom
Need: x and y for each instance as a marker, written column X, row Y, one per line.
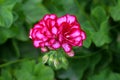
column 70, row 33
column 44, row 32
column 52, row 32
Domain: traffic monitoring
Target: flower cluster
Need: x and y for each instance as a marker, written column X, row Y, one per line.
column 52, row 32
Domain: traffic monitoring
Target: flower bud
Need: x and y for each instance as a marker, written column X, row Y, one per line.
column 45, row 58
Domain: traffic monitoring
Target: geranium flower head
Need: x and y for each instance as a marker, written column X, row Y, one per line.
column 44, row 32
column 71, row 33
column 52, row 32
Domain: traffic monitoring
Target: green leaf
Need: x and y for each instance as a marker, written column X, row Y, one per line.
column 5, row 74
column 43, row 72
column 5, row 33
column 29, row 70
column 62, row 7
column 89, row 31
column 99, row 14
column 94, row 60
column 76, row 69
column 34, row 10
column 27, row 50
column 105, row 74
column 9, row 3
column 115, row 12
column 22, row 33
column 24, row 70
column 6, row 16
column 102, row 36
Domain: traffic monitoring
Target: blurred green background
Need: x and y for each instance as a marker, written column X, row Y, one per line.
column 98, row 59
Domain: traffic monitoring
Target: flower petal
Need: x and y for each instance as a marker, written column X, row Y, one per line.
column 80, row 44
column 54, row 30
column 66, row 47
column 44, row 49
column 83, row 35
column 56, row 45
column 39, row 35
column 30, row 34
column 53, row 16
column 77, row 39
column 61, row 20
column 37, row 44
column 70, row 18
column 37, row 26
column 75, row 33
column 71, row 53
column 46, row 17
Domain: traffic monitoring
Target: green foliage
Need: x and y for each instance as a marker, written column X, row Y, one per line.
column 28, row 70
column 98, row 59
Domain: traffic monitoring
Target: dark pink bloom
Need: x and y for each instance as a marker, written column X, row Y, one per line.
column 70, row 33
column 44, row 33
column 52, row 32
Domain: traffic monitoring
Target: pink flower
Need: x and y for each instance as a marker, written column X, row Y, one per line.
column 70, row 33
column 52, row 32
column 44, row 33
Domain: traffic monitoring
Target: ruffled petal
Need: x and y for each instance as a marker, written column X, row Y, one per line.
column 56, row 45
column 71, row 53
column 39, row 35
column 54, row 30
column 46, row 17
column 61, row 20
column 53, row 16
column 44, row 49
column 37, row 44
column 75, row 33
column 66, row 47
column 70, row 18
column 30, row 34
column 83, row 35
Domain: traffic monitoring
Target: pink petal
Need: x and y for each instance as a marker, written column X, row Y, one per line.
column 75, row 26
column 71, row 53
column 70, row 18
column 42, row 22
column 37, row 44
column 44, row 49
column 30, row 34
column 61, row 20
column 46, row 44
column 75, row 33
column 52, row 23
column 45, row 39
column 56, row 45
column 46, row 17
column 66, row 47
column 33, row 35
column 60, row 38
column 39, row 35
column 83, row 35
column 80, row 44
column 78, row 39
column 54, row 30
column 51, row 41
column 52, row 16
column 37, row 26
column 42, row 44
column 50, row 48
